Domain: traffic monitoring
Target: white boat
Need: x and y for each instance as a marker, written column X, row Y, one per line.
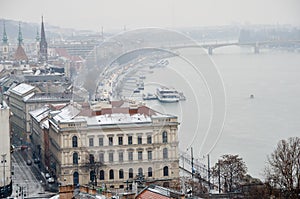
column 149, row 96
column 165, row 94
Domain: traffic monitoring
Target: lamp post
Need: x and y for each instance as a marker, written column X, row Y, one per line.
column 192, row 156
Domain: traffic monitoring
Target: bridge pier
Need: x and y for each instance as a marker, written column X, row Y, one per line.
column 210, row 50
column 256, row 48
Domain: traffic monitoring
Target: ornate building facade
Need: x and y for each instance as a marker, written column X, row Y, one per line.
column 113, row 146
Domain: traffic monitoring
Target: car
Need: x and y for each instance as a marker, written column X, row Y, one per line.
column 24, row 147
column 29, row 162
column 51, row 180
column 47, row 175
column 36, row 160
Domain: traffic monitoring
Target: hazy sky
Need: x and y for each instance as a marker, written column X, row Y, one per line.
column 92, row 14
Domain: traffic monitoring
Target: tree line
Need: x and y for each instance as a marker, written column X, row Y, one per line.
column 281, row 175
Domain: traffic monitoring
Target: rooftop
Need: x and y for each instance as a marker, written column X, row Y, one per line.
column 155, row 191
column 107, row 116
column 22, row 89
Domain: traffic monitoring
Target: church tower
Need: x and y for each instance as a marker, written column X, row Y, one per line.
column 43, row 57
column 5, row 47
column 20, row 54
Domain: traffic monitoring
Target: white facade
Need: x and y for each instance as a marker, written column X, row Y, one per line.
column 5, row 153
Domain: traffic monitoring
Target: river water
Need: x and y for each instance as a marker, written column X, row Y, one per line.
column 253, row 126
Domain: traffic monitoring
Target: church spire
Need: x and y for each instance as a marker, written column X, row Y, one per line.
column 37, row 38
column 20, row 38
column 43, row 43
column 4, row 38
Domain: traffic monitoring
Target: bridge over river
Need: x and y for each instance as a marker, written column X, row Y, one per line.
column 256, row 45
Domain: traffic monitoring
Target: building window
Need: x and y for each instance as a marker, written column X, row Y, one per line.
column 111, row 174
column 150, row 172
column 121, row 186
column 121, row 174
column 165, row 153
column 140, row 155
column 91, row 141
column 92, row 176
column 120, row 140
column 120, row 156
column 75, row 158
column 101, row 177
column 165, row 137
column 129, row 140
column 140, row 171
column 166, row 171
column 130, row 173
column 149, row 139
column 101, row 157
column 76, row 178
column 130, row 156
column 139, row 139
column 101, row 141
column 111, row 157
column 92, row 159
column 110, row 141
column 149, row 155
column 74, row 141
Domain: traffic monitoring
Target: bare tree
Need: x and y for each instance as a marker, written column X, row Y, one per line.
column 90, row 81
column 231, row 171
column 283, row 169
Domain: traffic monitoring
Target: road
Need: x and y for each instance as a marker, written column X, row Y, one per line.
column 27, row 179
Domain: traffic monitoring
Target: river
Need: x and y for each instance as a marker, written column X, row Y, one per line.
column 253, row 126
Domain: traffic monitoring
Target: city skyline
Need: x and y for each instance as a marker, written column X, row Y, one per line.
column 111, row 15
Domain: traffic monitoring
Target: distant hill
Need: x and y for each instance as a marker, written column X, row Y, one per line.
column 29, row 31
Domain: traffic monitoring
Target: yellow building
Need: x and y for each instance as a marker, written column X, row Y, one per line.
column 113, row 145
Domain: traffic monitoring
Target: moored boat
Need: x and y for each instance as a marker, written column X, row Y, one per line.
column 165, row 94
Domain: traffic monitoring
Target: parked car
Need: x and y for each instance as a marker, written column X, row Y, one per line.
column 29, row 162
column 51, row 180
column 36, row 160
column 24, row 147
column 47, row 175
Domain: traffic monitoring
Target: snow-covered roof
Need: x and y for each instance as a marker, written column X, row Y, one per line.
column 27, row 97
column 117, row 118
column 22, row 89
column 41, row 113
column 45, row 124
column 67, row 113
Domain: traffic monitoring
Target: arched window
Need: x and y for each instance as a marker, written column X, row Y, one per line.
column 121, row 174
column 165, row 153
column 165, row 137
column 101, row 177
column 111, row 174
column 92, row 176
column 75, row 158
column 140, row 171
column 74, row 141
column 92, row 159
column 150, row 172
column 130, row 173
column 166, row 171
column 75, row 178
